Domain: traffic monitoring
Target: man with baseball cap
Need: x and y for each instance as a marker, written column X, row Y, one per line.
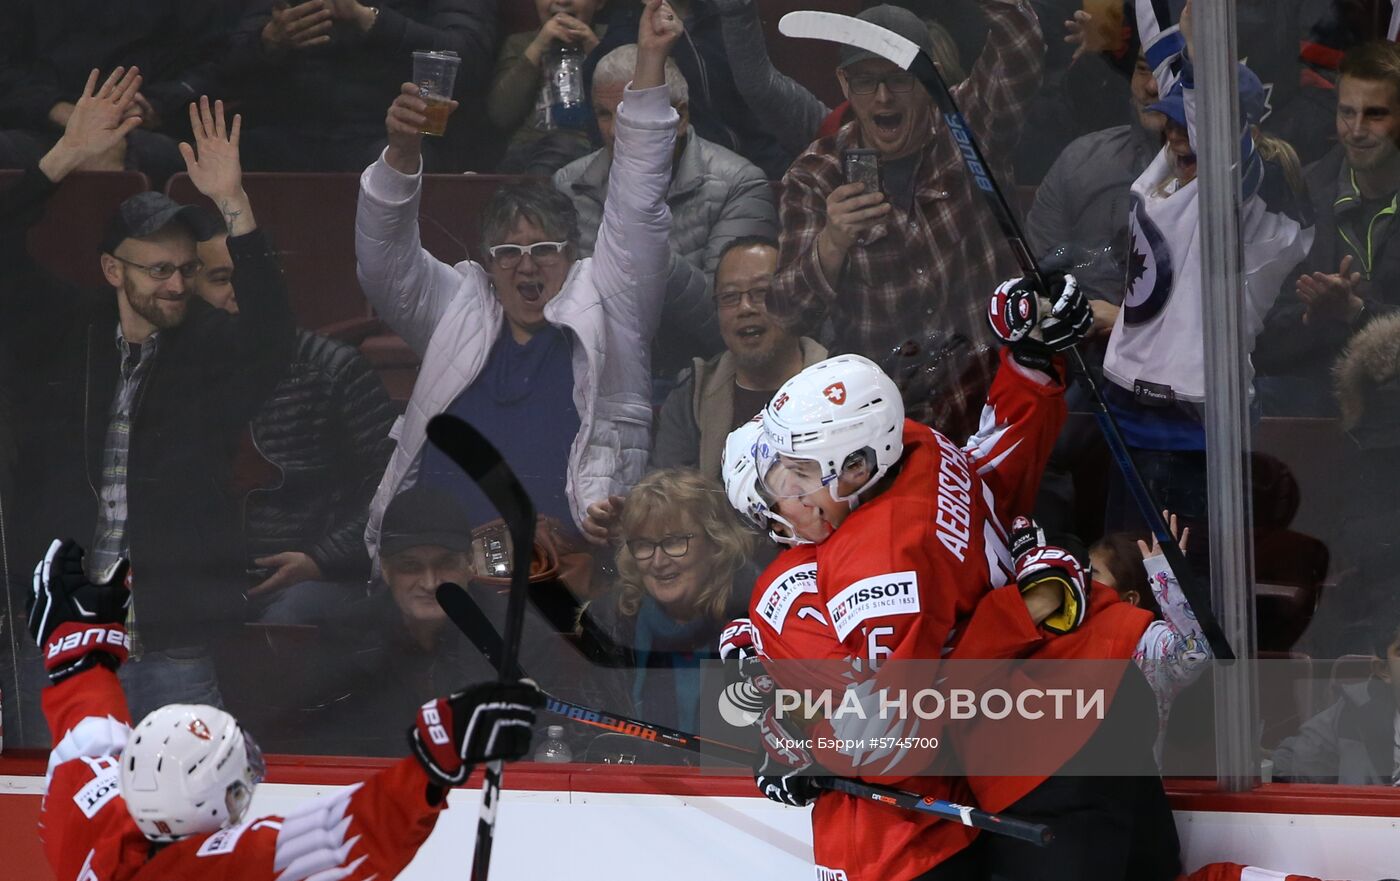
column 909, row 258
column 132, row 397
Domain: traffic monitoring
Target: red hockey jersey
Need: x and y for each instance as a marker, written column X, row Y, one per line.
column 368, row 830
column 895, row 581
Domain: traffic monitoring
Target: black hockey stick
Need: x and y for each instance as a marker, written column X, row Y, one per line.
column 464, row 611
column 1038, row 834
column 475, row 455
column 836, row 28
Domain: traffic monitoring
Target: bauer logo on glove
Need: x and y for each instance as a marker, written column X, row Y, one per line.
column 78, row 623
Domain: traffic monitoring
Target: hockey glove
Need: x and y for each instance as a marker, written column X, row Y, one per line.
column 76, row 622
column 784, row 774
column 1039, row 563
column 489, row 722
column 739, row 641
column 1034, row 329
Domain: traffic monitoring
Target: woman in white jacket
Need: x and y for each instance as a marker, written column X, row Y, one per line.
column 547, row 354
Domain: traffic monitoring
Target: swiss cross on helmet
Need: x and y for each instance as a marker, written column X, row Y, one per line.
column 188, row 769
column 834, row 415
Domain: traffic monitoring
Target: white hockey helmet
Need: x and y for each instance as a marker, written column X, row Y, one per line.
column 741, row 484
column 820, row 418
column 188, row 769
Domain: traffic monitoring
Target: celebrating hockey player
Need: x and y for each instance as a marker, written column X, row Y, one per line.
column 885, row 502
column 167, row 799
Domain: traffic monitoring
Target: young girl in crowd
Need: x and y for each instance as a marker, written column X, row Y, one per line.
column 1173, row 650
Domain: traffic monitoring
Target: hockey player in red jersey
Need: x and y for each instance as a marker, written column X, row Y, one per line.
column 166, row 801
column 910, row 537
column 787, row 619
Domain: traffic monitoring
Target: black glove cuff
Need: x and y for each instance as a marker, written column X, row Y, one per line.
column 86, row 662
column 1035, row 355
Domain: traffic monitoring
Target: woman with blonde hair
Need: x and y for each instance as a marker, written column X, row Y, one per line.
column 683, row 572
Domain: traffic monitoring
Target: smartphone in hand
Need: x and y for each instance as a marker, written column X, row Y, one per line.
column 862, row 166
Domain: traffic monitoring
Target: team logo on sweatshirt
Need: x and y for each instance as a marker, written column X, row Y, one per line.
column 1150, row 275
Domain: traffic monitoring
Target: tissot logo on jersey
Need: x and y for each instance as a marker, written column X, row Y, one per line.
column 825, row 874
column 775, row 603
column 894, row 594
column 100, row 790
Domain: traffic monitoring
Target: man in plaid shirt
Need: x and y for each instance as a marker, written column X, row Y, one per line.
column 914, row 262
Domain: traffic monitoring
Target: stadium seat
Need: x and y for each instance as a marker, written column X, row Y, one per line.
column 449, row 218
column 1315, row 451
column 1346, row 670
column 65, row 241
column 1286, row 700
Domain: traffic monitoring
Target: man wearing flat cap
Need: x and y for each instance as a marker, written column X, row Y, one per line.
column 909, row 261
column 130, row 400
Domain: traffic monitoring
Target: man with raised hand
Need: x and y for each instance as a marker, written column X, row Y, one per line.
column 132, row 395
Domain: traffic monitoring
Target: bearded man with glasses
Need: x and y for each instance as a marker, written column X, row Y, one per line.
column 908, row 261
column 547, row 354
column 132, row 398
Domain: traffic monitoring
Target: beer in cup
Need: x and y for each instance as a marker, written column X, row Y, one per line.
column 434, row 73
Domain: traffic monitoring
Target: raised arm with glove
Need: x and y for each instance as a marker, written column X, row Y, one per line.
column 76, row 622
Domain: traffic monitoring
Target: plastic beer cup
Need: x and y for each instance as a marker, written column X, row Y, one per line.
column 434, row 73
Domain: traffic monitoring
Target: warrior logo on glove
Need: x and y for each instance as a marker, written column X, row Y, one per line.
column 1033, row 327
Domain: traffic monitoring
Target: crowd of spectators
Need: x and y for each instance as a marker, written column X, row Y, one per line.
column 675, row 232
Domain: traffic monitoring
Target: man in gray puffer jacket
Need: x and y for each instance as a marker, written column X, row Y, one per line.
column 715, row 196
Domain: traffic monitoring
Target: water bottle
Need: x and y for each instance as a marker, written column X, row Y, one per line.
column 563, row 88
column 554, row 749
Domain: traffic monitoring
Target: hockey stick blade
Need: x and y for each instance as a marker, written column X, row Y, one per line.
column 473, row 453
column 462, row 610
column 837, row 28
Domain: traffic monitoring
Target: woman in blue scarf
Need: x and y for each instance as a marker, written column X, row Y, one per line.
column 683, row 573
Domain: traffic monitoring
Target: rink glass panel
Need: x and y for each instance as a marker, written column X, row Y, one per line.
column 1319, row 497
